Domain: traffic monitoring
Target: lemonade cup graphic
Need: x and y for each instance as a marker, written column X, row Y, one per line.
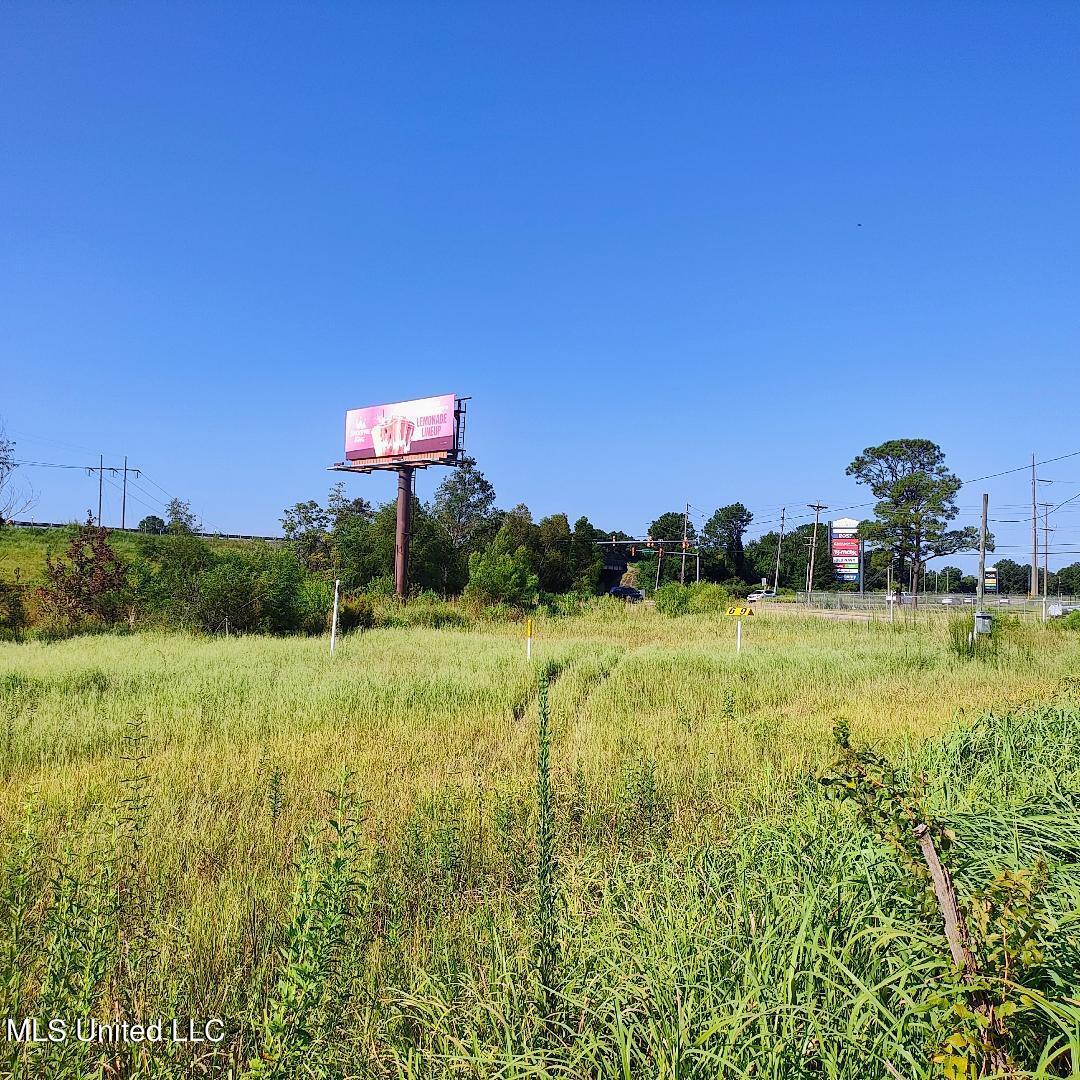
column 392, row 435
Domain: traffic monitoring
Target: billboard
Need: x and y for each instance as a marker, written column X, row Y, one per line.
column 401, row 429
column 844, row 548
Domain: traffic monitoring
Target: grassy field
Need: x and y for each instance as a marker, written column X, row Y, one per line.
column 339, row 858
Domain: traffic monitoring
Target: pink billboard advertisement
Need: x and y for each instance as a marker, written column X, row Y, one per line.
column 423, row 426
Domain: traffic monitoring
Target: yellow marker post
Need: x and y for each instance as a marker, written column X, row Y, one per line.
column 738, row 613
column 528, row 638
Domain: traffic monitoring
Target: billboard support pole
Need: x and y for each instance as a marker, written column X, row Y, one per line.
column 404, row 530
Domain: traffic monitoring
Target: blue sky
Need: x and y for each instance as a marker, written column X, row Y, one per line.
column 674, row 252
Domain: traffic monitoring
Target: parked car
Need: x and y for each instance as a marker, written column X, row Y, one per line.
column 625, row 592
column 766, row 594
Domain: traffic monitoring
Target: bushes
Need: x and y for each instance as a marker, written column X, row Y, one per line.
column 707, row 598
column 315, row 601
column 12, row 610
column 498, row 578
column 355, row 613
column 701, row 598
column 672, row 599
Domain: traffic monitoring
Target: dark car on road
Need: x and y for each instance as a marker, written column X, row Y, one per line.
column 625, row 592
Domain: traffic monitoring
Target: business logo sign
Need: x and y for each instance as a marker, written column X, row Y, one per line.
column 401, row 429
column 990, row 580
column 844, row 547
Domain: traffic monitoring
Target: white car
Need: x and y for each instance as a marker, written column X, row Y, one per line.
column 754, row 597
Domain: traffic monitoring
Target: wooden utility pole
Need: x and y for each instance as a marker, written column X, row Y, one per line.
column 1046, row 556
column 123, row 499
column 982, row 552
column 1034, row 590
column 101, row 468
column 817, row 508
column 779, row 546
column 685, row 529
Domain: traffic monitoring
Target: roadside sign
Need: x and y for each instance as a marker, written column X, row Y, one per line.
column 739, row 612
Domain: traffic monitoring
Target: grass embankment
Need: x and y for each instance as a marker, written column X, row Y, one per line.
column 719, row 916
column 23, row 551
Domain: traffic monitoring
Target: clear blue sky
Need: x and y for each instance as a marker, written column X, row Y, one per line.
column 674, row 252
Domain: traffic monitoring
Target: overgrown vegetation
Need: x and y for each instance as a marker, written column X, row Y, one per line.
column 629, row 870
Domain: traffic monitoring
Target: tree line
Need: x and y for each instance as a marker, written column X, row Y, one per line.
column 464, row 545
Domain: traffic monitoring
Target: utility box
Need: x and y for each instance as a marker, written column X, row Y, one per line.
column 983, row 622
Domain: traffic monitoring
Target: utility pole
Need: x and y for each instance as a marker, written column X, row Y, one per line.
column 659, row 563
column 123, row 500
column 817, row 508
column 1046, row 556
column 685, row 528
column 101, row 469
column 982, row 554
column 779, row 545
column 1034, row 590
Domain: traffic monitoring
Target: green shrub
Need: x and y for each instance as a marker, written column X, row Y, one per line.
column 315, row 601
column 563, row 605
column 381, row 586
column 672, row 599
column 355, row 613
column 228, row 590
column 498, row 578
column 708, row 598
column 12, row 610
column 1070, row 621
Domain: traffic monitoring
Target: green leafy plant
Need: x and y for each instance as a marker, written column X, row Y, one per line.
column 299, row 1018
column 547, row 867
column 356, row 613
column 672, row 599
column 994, row 932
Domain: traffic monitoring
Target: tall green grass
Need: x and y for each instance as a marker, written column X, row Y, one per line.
column 633, row 873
